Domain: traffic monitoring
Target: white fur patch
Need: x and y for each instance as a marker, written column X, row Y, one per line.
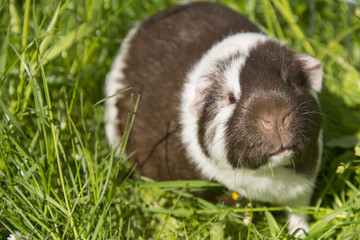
column 297, row 223
column 277, row 185
column 114, row 84
column 231, row 73
column 216, row 146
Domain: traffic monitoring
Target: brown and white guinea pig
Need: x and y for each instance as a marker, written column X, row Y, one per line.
column 220, row 101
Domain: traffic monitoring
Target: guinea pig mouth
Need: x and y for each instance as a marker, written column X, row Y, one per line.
column 282, row 152
column 281, row 157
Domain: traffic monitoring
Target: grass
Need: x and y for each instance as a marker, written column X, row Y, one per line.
column 60, row 180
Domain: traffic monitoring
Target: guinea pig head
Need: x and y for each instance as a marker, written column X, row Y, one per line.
column 259, row 106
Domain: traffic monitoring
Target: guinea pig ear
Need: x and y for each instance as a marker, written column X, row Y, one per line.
column 313, row 69
column 201, row 91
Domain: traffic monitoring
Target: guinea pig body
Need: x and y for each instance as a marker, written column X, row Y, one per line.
column 219, row 101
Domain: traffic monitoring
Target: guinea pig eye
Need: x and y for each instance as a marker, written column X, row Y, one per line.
column 290, row 85
column 232, row 99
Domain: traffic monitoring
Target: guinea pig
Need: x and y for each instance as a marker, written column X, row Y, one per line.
column 220, row 101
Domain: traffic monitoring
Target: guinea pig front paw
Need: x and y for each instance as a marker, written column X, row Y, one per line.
column 298, row 225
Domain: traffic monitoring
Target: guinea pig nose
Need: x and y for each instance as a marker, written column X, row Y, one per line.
column 267, row 124
column 275, row 122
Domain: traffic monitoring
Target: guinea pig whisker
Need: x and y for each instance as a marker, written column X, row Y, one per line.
column 293, row 163
column 310, row 121
column 289, row 136
column 298, row 133
column 238, row 164
column 309, row 112
column 328, row 116
column 293, row 109
column 303, row 103
column 307, row 139
column 298, row 106
column 305, row 117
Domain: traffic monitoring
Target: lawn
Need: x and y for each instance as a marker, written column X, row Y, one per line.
column 59, row 178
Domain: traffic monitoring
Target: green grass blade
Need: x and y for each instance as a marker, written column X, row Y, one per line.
column 68, row 40
column 273, row 225
column 11, row 118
